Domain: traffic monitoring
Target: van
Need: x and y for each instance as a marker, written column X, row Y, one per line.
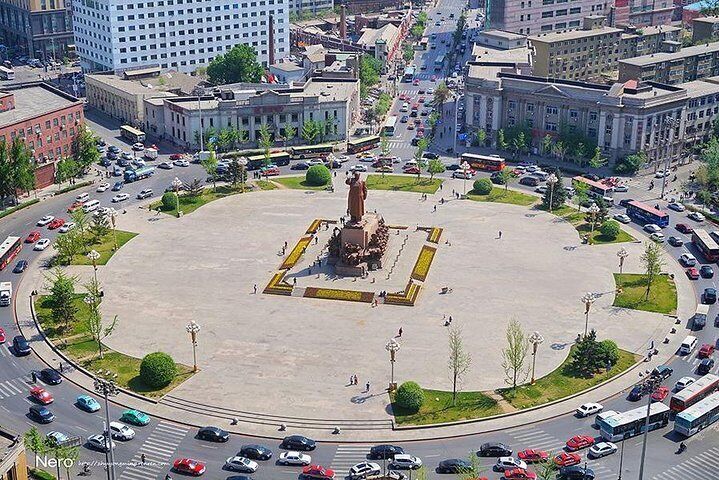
column 688, row 344
column 91, row 206
column 700, row 316
column 82, row 197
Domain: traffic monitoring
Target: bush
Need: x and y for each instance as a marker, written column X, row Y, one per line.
column 410, row 396
column 318, row 175
column 169, row 201
column 483, row 186
column 608, row 351
column 610, row 229
column 157, row 369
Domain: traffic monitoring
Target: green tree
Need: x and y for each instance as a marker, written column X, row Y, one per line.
column 99, row 228
column 67, row 246
column 459, row 360
column 7, row 188
column 318, row 175
column 170, row 200
column 238, row 65
column 630, row 164
column 264, row 140
column 514, row 356
column 66, row 169
column 653, row 262
column 23, row 171
column 482, row 186
column 610, row 229
column 369, row 72
column 35, row 442
column 434, row 167
column 559, row 149
column 519, row 143
column 84, row 150
column 225, row 139
column 597, row 160
column 506, row 175
column 410, row 396
column 209, row 163
column 62, row 297
column 547, row 143
column 290, row 133
column 384, row 144
column 546, row 469
column 608, row 351
column 581, row 193
column 237, row 173
column 408, row 52
column 585, row 356
column 310, row 131
column 579, row 151
column 481, row 137
column 82, row 226
column 96, row 326
column 501, row 142
column 441, row 95
column 157, row 369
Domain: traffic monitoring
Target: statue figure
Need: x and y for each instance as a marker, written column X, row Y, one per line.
column 356, row 197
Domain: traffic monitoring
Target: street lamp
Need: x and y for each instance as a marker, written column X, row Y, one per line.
column 593, row 211
column 105, row 385
column 176, row 184
column 535, row 339
column 392, row 347
column 94, row 256
column 622, row 254
column 551, row 181
column 587, row 299
column 113, row 220
column 242, row 161
column 651, row 384
column 193, row 329
column 465, row 170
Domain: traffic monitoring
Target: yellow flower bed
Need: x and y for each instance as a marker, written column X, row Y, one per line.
column 296, row 253
column 314, row 226
column 337, row 294
column 424, row 261
column 406, row 298
column 278, row 286
column 435, row 234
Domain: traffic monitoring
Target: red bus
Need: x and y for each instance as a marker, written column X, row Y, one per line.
column 490, row 163
column 706, row 244
column 698, row 390
column 9, row 250
column 362, row 144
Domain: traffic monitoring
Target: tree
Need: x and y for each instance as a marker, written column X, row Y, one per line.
column 35, row 442
column 82, row 225
column 434, row 167
column 23, row 172
column 238, row 65
column 547, row 143
column 506, row 175
column 194, row 188
column 608, row 352
column 546, row 469
column 97, row 328
column 579, row 150
column 310, row 131
column 169, row 200
column 100, row 227
column 225, row 138
column 610, row 229
column 237, row 172
column 585, row 356
column 410, row 396
column 556, row 193
column 482, row 186
column 501, row 142
column 441, row 94
column 597, row 160
column 84, row 150
column 264, row 140
column 560, row 150
column 653, row 262
column 581, row 192
column 369, row 72
column 519, row 143
column 481, row 137
column 157, row 369
column 630, row 164
column 318, row 175
column 209, row 163
column 408, row 52
column 67, row 246
column 62, row 297
column 290, row 133
column 65, row 169
column 459, row 360
column 515, row 354
column 384, row 145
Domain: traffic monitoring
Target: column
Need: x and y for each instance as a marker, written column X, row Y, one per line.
column 602, row 129
column 615, row 140
column 633, row 135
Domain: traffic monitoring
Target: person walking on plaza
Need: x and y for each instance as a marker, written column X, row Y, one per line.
column 367, row 387
column 500, row 235
column 255, row 288
column 399, row 332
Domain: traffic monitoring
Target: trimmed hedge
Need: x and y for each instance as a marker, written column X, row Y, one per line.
column 157, row 369
column 410, row 396
column 318, row 175
column 483, row 186
column 14, row 209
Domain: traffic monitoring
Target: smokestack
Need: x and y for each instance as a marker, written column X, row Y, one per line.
column 271, row 41
column 343, row 22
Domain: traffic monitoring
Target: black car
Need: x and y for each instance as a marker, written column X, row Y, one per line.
column 20, row 346
column 255, row 452
column 592, row 176
column 625, row 202
column 710, row 296
column 41, row 414
column 105, row 162
column 430, row 156
column 529, row 181
column 494, row 449
column 20, row 266
column 50, row 376
column 637, row 393
column 300, row 166
column 298, row 442
column 675, row 241
column 379, row 452
column 454, row 166
column 662, row 371
column 497, row 178
column 414, row 141
column 213, row 434
column 454, row 465
column 705, row 366
column 706, row 271
column 576, row 472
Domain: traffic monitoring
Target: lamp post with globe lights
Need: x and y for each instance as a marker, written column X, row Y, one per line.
column 535, row 339
column 193, row 329
column 104, row 383
column 392, row 347
column 113, row 221
column 622, row 254
column 94, row 257
column 593, row 211
column 176, row 184
column 551, row 181
column 587, row 299
column 465, row 170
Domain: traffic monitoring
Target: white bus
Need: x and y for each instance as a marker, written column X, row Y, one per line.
column 408, row 75
column 7, row 73
column 698, row 416
column 390, row 125
column 627, row 424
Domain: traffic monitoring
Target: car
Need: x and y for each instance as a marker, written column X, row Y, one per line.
column 41, row 395
column 318, row 471
column 117, row 171
column 519, row 474
column 74, row 206
column 213, row 434
column 20, row 346
column 121, row 431
column 176, row 156
column 415, row 82
column 20, row 266
column 255, row 452
column 45, row 220
column 113, row 149
column 706, row 271
column 589, row 408
column 541, row 189
column 621, row 188
column 405, row 461
column 660, row 394
column 50, row 376
column 688, row 260
column 366, row 469
column 696, row 216
column 652, row 228
column 677, row 207
column 241, row 464
column 100, row 443
column 636, row 393
column 532, row 455
column 57, row 223
column 298, row 442
column 56, row 438
column 705, row 366
column 692, row 273
column 87, row 403
column 358, row 168
column 682, row 383
column 32, row 237
column 462, row 174
column 657, row 237
column 165, row 166
column 529, row 181
column 138, row 146
column 181, row 163
column 404, row 119
column 710, row 295
column 662, row 174
column 385, row 169
column 622, row 218
column 575, row 472
column 565, row 459
column 2, row 335
column 382, row 452
column 270, row 171
column 579, row 442
column 434, row 78
column 120, row 197
column 494, row 449
column 146, row 193
column 706, row 350
column 118, row 186
column 662, row 372
column 135, row 417
column 189, row 466
column 42, row 244
column 684, row 228
column 410, row 126
column 509, row 463
column 300, row 166
column 675, row 241
column 102, row 187
column 41, row 414
column 126, row 156
column 294, row 458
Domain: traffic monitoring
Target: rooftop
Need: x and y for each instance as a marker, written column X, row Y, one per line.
column 701, row 87
column 562, row 36
column 509, row 36
column 34, row 100
column 10, row 444
column 488, row 54
column 156, row 85
column 371, row 36
column 287, row 66
column 706, row 20
column 664, row 57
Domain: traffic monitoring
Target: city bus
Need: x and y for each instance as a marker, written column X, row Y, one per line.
column 7, row 73
column 706, row 244
column 311, row 151
column 490, row 163
column 256, row 162
column 424, row 43
column 131, row 134
column 698, row 416
column 643, row 213
column 9, row 250
column 363, row 144
column 596, row 189
column 695, row 392
column 408, row 75
column 628, row 424
column 389, row 125
column 439, row 63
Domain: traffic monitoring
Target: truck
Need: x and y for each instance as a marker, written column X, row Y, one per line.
column 132, row 175
column 150, row 153
column 5, row 293
column 201, row 156
column 700, row 316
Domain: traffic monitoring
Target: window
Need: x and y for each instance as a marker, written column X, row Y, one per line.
column 530, row 107
column 551, row 110
column 573, row 114
column 547, row 14
column 550, row 126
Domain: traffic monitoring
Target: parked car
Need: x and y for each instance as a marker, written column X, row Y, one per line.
column 42, row 244
column 652, row 228
column 532, row 455
column 565, row 459
column 519, row 474
column 576, row 472
column 696, row 216
column 688, row 260
column 135, row 417
column 682, row 383
column 660, row 394
column 692, row 273
column 317, row 472
column 657, row 237
column 57, row 223
column 677, row 207
column 675, row 241
column 622, row 218
column 684, row 228
column 709, row 296
column 241, row 464
column 146, row 193
column 255, row 452
column 32, row 237
column 705, row 366
column 41, row 395
column 509, row 463
column 706, row 350
column 529, row 181
column 636, row 393
column 706, row 271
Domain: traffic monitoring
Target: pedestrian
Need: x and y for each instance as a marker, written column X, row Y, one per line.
column 434, row 209
column 355, row 379
column 450, row 319
column 142, row 458
column 367, row 387
column 399, row 332
column 255, row 288
column 453, row 192
column 60, row 367
column 34, row 377
column 285, row 243
column 440, row 186
column 500, row 234
column 351, row 380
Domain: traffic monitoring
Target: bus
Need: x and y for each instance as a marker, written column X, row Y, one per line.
column 131, row 134
column 643, row 213
column 596, row 189
column 490, row 163
column 691, row 394
column 7, row 73
column 408, row 75
column 706, row 244
column 256, row 162
column 389, row 125
column 363, row 144
column 9, row 250
column 698, row 416
column 311, row 151
column 424, row 43
column 439, row 63
column 628, row 424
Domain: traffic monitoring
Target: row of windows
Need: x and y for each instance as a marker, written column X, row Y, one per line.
column 561, row 12
column 183, row 33
column 171, row 13
column 172, row 23
column 550, row 110
column 161, row 3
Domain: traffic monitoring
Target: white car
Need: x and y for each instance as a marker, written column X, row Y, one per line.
column 688, row 260
column 166, row 166
column 405, row 461
column 622, row 218
column 541, row 189
column 696, row 216
column 315, row 161
column 364, row 469
column 509, row 463
column 138, row 146
column 102, row 187
column 146, row 193
column 602, row 449
column 676, row 206
column 67, row 227
column 662, row 174
column 358, row 168
column 621, row 188
column 590, row 408
column 42, row 244
column 657, row 237
column 121, row 431
column 181, row 163
column 294, row 458
column 120, row 197
column 241, row 464
column 57, row 438
column 682, row 383
column 652, row 228
column 45, row 220
column 343, row 158
column 97, row 442
column 461, row 174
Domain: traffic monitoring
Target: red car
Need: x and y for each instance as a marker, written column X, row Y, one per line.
column 660, row 394
column 415, row 82
column 411, row 171
column 519, row 474
column 2, row 335
column 33, row 237
column 57, row 223
column 530, row 455
column 189, row 466
column 176, row 156
column 565, row 459
column 421, row 100
column 74, row 206
column 684, row 228
column 318, row 471
column 41, row 395
column 579, row 442
column 692, row 273
column 706, row 350
column 434, row 78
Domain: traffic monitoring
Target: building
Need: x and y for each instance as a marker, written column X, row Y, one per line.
column 247, row 107
column 13, row 461
column 705, row 29
column 650, row 39
column 47, row 118
column 287, row 71
column 311, row 6
column 621, row 119
column 693, row 11
column 640, row 13
column 685, row 65
column 501, row 40
column 531, row 17
column 37, row 28
column 174, row 34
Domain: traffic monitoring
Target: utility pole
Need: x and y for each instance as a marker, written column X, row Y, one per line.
column 652, row 383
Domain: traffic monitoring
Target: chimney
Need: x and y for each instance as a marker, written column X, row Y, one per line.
column 271, row 41
column 343, row 22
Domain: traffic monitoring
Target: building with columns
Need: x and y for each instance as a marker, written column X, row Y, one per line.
column 622, row 118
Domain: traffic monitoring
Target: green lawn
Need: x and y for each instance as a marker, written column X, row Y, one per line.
column 105, row 247
column 437, row 408
column 500, row 195
column 562, row 382
column 265, row 185
column 54, row 330
column 662, row 295
column 297, row 182
column 403, row 183
column 190, row 204
column 578, row 220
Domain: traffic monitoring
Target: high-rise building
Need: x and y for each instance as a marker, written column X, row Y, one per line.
column 531, row 17
column 311, row 6
column 178, row 34
column 37, row 28
column 640, row 13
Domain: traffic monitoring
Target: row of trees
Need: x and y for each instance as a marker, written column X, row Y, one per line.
column 87, row 232
column 369, row 73
column 237, row 65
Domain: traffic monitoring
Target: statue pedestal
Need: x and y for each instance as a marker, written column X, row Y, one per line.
column 359, row 234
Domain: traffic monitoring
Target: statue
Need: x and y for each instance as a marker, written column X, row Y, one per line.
column 356, row 197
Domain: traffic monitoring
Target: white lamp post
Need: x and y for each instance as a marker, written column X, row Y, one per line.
column 392, row 347
column 622, row 254
column 465, row 169
column 587, row 299
column 551, row 181
column 113, row 221
column 593, row 211
column 176, row 184
column 193, row 329
column 535, row 339
column 94, row 256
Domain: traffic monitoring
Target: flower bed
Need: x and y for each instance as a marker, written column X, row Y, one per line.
column 296, row 253
column 336, row 294
column 434, row 235
column 278, row 286
column 314, row 226
column 407, row 297
column 424, row 261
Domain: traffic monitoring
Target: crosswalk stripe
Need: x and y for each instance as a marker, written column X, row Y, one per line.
column 169, row 426
column 12, row 387
column 159, row 452
column 5, row 391
column 131, row 474
column 161, row 441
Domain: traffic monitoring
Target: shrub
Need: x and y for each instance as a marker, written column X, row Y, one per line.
column 318, row 175
column 410, row 396
column 169, row 201
column 157, row 369
column 608, row 351
column 483, row 186
column 610, row 229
